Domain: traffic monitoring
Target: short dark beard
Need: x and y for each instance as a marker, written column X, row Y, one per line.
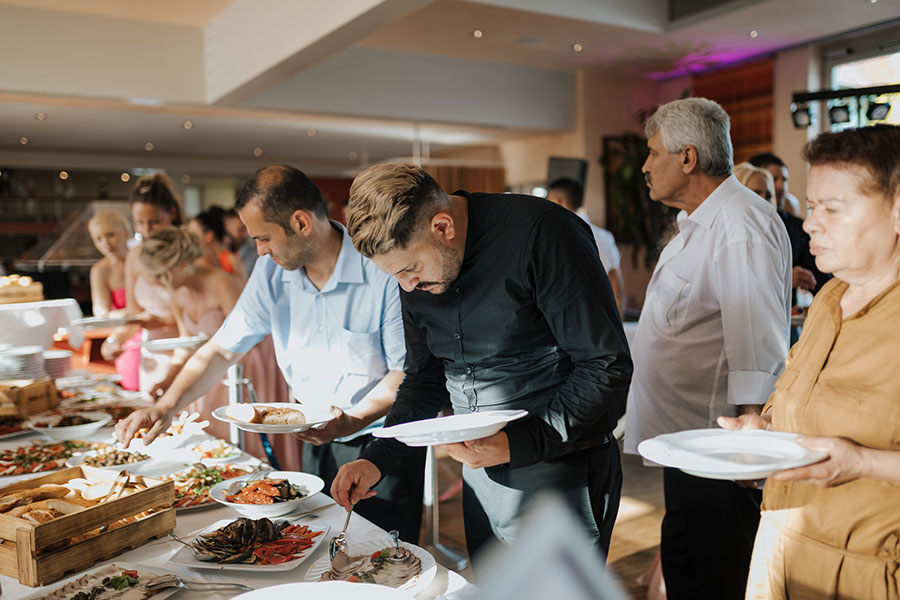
column 450, row 268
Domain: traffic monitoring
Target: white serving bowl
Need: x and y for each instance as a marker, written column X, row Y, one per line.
column 76, row 460
column 305, row 481
column 74, row 432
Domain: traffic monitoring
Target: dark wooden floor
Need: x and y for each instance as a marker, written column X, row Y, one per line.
column 635, row 538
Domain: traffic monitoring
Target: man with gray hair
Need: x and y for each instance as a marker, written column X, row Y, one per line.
column 711, row 340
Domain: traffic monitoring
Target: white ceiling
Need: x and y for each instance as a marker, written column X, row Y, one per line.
column 291, row 93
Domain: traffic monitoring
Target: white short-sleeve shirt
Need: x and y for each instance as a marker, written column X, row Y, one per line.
column 606, row 244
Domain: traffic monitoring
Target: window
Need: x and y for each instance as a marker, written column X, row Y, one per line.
column 866, row 110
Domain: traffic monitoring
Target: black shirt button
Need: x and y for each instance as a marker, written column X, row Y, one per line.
column 456, row 335
column 468, row 370
column 459, row 290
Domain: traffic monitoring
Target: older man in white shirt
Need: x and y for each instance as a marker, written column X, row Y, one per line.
column 712, row 338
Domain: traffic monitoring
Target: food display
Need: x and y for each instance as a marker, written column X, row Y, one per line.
column 70, row 420
column 391, row 567
column 113, row 458
column 43, row 503
column 215, row 450
column 10, row 425
column 110, row 581
column 16, row 288
column 192, row 486
column 41, row 457
column 267, row 491
column 248, row 413
column 258, row 541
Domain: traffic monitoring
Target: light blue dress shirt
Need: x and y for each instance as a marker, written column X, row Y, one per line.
column 333, row 345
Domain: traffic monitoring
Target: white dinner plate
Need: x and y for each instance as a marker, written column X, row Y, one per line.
column 185, row 556
column 733, row 455
column 451, row 429
column 411, row 587
column 76, row 460
column 119, row 566
column 73, row 432
column 308, row 483
column 99, row 322
column 314, row 416
column 325, row 590
column 165, row 344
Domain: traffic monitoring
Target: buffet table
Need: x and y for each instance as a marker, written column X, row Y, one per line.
column 156, row 554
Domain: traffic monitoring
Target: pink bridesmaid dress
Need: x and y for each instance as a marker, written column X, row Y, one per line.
column 129, row 362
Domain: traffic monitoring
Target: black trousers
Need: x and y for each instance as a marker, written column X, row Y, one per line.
column 707, row 536
column 596, row 471
column 398, row 504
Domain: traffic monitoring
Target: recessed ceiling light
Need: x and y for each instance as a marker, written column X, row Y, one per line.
column 754, row 33
column 310, row 132
column 352, row 155
column 63, row 175
column 478, row 34
column 125, row 177
column 148, row 146
column 257, row 152
column 185, row 179
column 23, row 140
column 40, row 116
column 187, row 124
column 577, row 47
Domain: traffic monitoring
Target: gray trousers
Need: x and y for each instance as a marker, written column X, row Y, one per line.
column 590, row 481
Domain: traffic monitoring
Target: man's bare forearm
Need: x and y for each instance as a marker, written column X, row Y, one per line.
column 201, row 372
column 378, row 401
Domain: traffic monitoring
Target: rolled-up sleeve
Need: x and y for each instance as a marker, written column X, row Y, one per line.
column 250, row 320
column 752, row 280
column 393, row 342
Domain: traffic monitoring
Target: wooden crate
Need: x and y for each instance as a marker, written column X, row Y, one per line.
column 23, row 399
column 37, row 554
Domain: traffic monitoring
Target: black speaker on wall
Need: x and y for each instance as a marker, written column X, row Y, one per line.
column 557, row 167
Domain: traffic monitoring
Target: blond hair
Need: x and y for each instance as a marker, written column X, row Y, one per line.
column 745, row 170
column 111, row 217
column 387, row 205
column 168, row 247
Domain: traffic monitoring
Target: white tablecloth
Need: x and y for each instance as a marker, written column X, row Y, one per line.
column 34, row 323
column 157, row 553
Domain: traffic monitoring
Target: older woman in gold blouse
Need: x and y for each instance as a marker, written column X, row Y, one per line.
column 832, row 529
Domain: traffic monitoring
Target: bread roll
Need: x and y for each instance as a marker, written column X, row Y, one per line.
column 282, row 416
column 245, row 413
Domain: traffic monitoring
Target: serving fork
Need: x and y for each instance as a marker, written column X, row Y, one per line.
column 169, row 581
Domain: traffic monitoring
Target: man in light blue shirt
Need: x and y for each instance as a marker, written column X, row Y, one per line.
column 336, row 326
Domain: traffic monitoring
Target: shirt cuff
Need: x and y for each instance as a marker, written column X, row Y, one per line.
column 522, row 443
column 750, row 387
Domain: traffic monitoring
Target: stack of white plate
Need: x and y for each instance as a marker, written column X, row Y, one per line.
column 22, row 362
column 57, row 363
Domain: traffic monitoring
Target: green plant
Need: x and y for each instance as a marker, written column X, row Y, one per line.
column 632, row 216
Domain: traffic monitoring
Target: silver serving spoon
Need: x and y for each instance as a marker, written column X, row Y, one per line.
column 339, row 541
column 395, row 535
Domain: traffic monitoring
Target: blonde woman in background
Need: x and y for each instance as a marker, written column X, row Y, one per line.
column 758, row 180
column 110, row 233
column 200, row 298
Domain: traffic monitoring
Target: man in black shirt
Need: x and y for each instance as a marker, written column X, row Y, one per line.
column 505, row 306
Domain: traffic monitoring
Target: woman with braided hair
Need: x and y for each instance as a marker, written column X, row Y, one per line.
column 200, row 297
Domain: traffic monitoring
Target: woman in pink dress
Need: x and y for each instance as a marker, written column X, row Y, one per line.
column 110, row 232
column 200, row 298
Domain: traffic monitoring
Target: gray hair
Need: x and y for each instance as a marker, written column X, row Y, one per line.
column 696, row 122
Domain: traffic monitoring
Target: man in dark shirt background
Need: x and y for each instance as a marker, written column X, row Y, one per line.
column 804, row 275
column 505, row 306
